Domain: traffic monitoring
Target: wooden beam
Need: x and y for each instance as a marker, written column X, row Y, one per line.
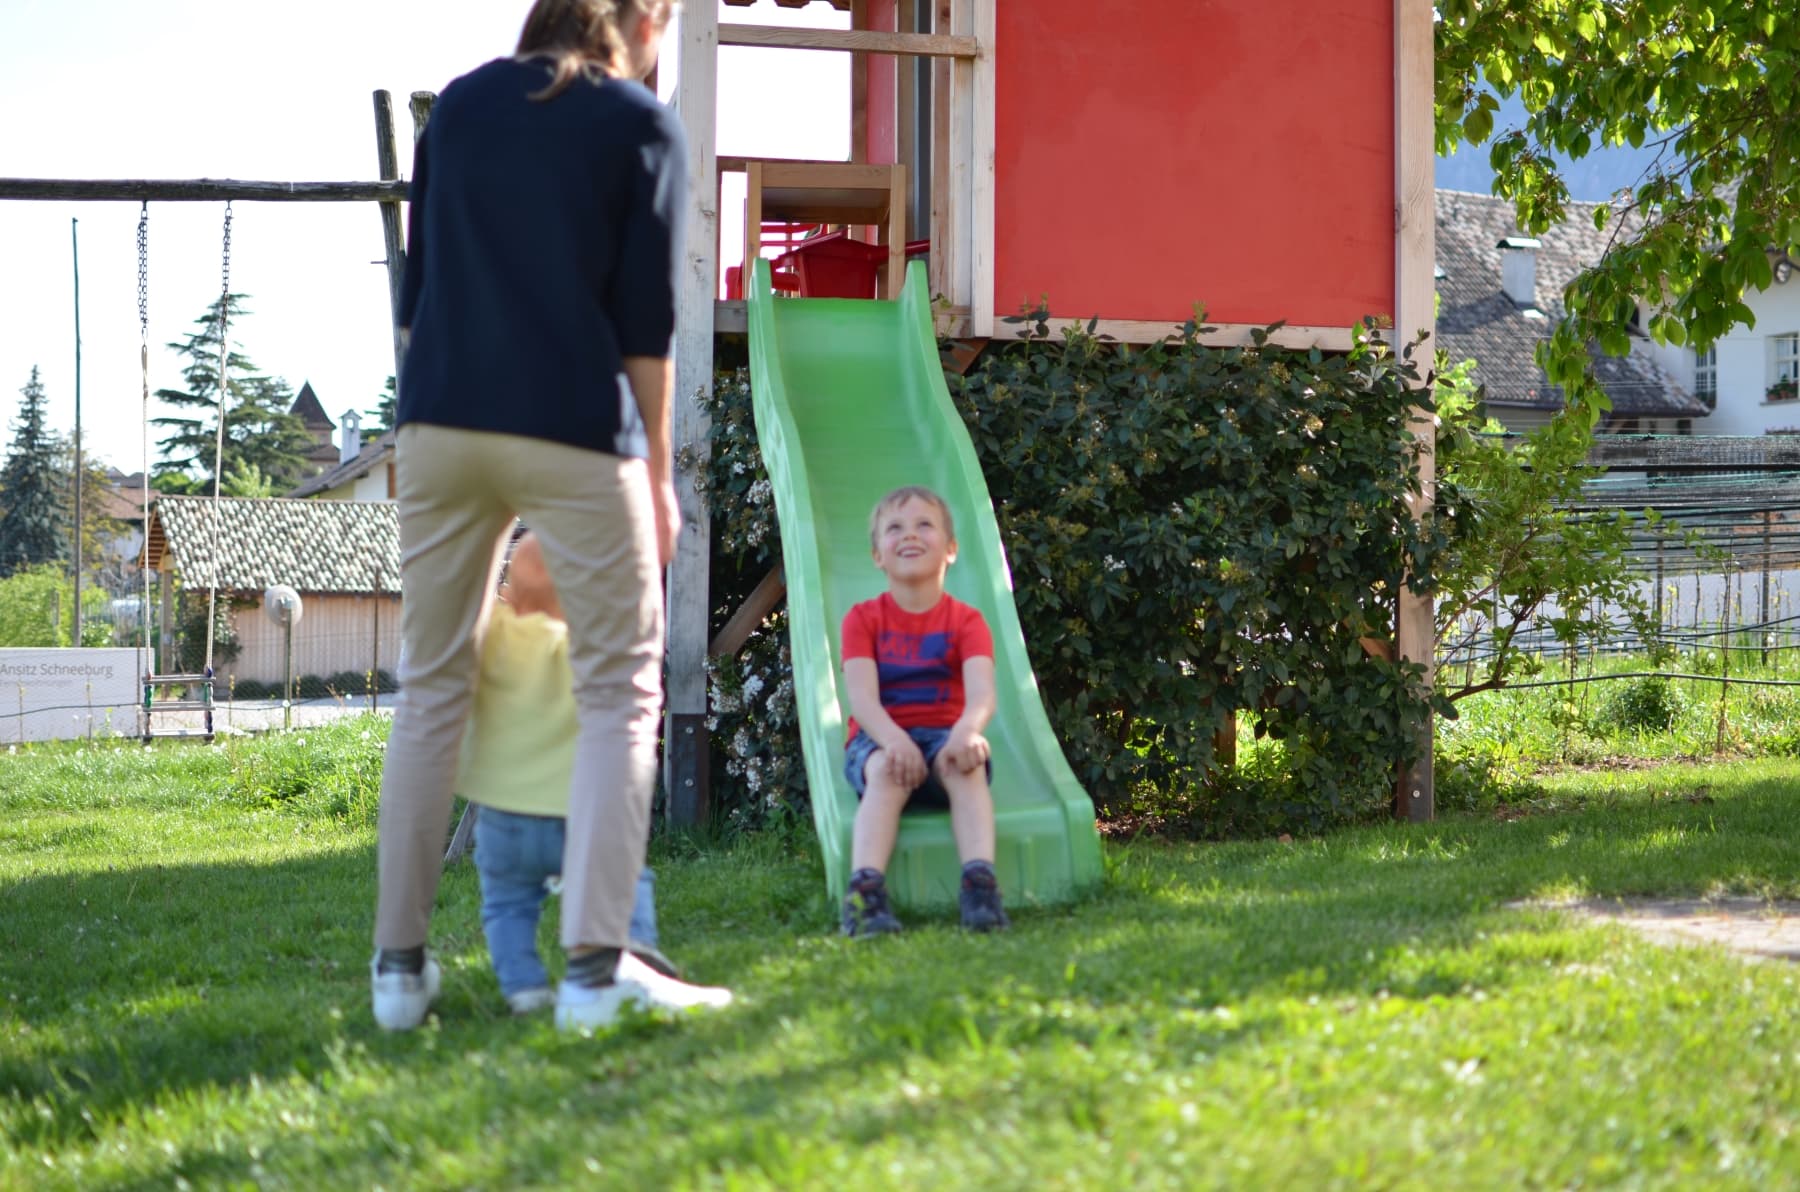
column 198, row 190
column 764, row 599
column 686, row 751
column 1415, row 220
column 1217, row 335
column 856, row 41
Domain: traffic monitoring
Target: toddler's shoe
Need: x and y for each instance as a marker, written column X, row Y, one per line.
column 635, row 985
column 400, row 999
column 980, row 900
column 530, row 1001
column 866, row 910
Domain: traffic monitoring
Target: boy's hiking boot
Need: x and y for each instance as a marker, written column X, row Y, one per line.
column 402, row 987
column 866, row 910
column 980, row 899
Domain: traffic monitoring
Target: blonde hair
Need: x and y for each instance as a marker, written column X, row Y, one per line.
column 582, row 37
column 900, row 496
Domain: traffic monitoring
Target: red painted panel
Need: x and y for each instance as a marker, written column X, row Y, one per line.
column 1237, row 153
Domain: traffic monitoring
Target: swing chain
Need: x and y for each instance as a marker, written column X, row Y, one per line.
column 225, row 266
column 143, row 293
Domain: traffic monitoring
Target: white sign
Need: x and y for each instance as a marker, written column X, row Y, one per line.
column 59, row 695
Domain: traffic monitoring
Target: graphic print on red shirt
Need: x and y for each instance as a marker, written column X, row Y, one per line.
column 919, row 656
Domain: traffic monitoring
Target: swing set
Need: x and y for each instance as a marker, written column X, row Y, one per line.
column 194, row 692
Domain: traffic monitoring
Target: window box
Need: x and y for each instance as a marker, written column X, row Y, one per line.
column 1784, row 390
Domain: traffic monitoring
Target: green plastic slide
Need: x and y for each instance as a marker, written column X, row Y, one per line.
column 850, row 404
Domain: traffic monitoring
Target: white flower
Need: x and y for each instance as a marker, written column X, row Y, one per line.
column 753, row 685
column 760, row 492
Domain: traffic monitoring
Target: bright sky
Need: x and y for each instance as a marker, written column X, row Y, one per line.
column 251, row 89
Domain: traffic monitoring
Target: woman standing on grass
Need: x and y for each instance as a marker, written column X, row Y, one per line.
column 546, row 215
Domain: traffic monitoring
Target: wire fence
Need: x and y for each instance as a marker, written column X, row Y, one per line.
column 1713, row 551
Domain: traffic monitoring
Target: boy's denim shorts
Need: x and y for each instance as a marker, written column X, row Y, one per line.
column 929, row 795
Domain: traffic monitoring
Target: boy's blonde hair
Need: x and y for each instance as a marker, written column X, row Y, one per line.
column 901, row 496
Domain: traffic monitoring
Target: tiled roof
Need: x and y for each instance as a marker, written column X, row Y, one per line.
column 373, row 454
column 312, row 546
column 1477, row 319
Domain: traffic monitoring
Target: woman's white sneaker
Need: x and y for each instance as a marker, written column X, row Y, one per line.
column 635, row 985
column 401, row 999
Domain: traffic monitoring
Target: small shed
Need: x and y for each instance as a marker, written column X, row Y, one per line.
column 343, row 557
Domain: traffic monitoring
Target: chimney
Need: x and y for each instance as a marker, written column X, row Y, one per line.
column 350, row 436
column 1518, row 269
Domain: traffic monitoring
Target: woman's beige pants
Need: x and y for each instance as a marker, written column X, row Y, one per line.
column 458, row 493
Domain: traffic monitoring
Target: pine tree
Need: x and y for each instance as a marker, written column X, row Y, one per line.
column 31, row 489
column 385, row 412
column 259, row 430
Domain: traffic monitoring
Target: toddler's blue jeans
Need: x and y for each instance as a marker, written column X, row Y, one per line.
column 516, row 856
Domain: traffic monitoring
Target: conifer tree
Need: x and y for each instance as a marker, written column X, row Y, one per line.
column 259, row 430
column 32, row 514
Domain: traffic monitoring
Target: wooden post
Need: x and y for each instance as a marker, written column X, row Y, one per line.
column 375, row 646
column 421, row 112
column 80, row 522
column 685, row 746
column 943, row 204
column 1660, row 551
column 906, row 119
column 981, row 176
column 166, row 631
column 1762, row 605
column 387, row 160
column 859, row 97
column 1415, row 223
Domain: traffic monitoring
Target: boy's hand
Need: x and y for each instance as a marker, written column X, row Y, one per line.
column 905, row 763
column 967, row 750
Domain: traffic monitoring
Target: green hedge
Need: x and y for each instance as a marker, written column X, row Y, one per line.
column 1193, row 533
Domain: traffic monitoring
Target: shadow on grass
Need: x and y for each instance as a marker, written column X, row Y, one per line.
column 152, row 986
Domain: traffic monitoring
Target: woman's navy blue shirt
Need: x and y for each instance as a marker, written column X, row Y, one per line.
column 544, row 240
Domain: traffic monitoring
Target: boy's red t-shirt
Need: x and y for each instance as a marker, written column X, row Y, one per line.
column 920, row 656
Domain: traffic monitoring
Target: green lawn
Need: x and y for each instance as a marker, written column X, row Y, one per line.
column 183, row 997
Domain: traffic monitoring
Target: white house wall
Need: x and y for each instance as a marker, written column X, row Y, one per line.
column 1745, row 360
column 372, row 487
column 335, row 634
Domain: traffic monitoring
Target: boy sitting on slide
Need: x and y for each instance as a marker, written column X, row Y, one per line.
column 919, row 667
column 517, row 755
